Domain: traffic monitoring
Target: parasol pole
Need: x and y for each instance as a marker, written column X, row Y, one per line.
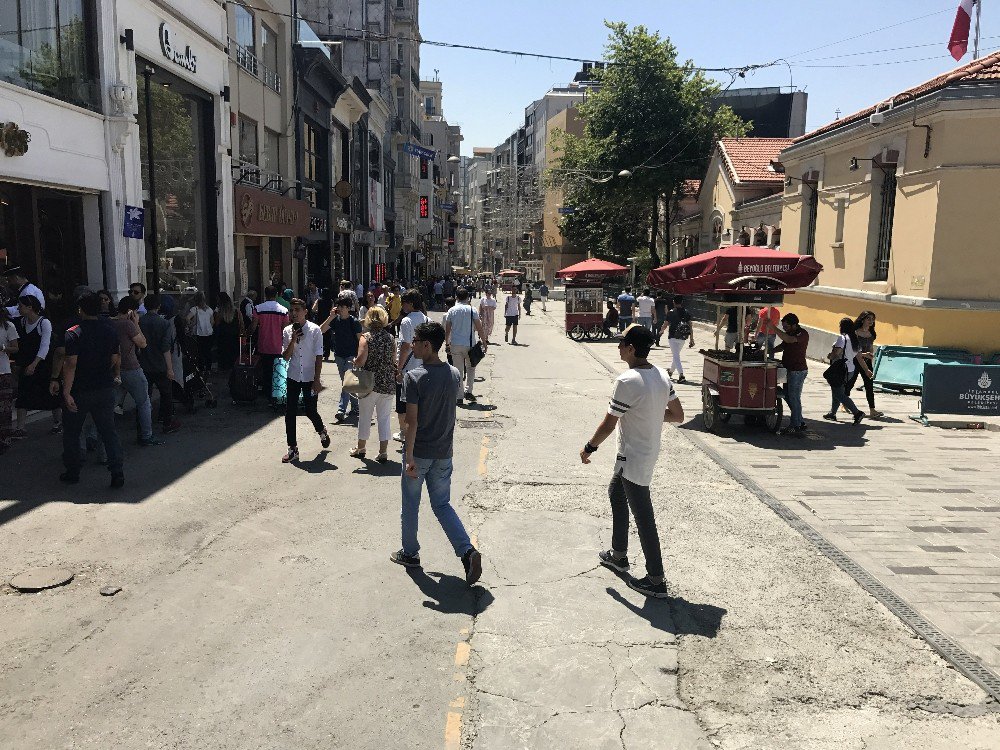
column 979, row 13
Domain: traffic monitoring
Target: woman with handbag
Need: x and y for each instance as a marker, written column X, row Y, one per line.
column 845, row 358
column 864, row 327
column 377, row 357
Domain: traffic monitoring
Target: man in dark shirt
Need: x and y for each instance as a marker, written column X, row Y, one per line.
column 346, row 330
column 431, row 392
column 90, row 371
column 794, row 342
column 157, row 359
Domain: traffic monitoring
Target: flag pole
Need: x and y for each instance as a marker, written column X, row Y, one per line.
column 979, row 12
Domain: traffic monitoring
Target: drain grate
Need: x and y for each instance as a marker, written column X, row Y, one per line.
column 961, row 659
column 476, row 423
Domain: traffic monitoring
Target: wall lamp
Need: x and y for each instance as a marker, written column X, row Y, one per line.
column 854, row 166
column 127, row 40
column 225, row 94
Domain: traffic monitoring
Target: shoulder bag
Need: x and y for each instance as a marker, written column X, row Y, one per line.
column 836, row 373
column 476, row 352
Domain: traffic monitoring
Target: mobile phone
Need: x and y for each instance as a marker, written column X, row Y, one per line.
column 296, row 326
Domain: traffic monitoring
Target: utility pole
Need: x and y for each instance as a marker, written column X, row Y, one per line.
column 979, row 13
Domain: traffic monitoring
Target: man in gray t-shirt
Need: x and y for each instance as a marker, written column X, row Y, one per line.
column 430, row 392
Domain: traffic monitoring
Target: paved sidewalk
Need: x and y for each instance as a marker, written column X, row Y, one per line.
column 916, row 507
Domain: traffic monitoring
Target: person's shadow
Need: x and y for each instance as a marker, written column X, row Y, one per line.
column 316, row 465
column 675, row 614
column 450, row 594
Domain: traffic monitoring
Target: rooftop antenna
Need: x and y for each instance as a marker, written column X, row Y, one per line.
column 836, row 112
column 436, row 76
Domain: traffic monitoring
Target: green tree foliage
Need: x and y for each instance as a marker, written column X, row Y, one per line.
column 652, row 116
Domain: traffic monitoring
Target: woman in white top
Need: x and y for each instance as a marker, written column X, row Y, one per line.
column 200, row 318
column 487, row 312
column 512, row 314
column 846, row 348
column 8, row 346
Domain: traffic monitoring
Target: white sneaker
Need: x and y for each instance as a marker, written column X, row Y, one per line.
column 398, row 437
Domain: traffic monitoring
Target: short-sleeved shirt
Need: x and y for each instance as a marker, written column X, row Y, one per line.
column 844, row 342
column 793, row 354
column 302, row 364
column 160, row 336
column 93, row 343
column 8, row 334
column 406, row 330
column 435, row 390
column 202, row 321
column 127, row 331
column 345, row 335
column 674, row 318
column 462, row 317
column 767, row 321
column 646, row 305
column 394, row 307
column 625, row 302
column 271, row 321
column 512, row 307
column 639, row 399
column 732, row 320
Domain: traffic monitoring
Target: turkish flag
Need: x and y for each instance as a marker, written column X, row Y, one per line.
column 958, row 45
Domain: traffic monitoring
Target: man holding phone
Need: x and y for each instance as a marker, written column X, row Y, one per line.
column 302, row 348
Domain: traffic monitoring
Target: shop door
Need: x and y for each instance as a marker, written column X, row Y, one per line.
column 254, row 278
column 62, row 253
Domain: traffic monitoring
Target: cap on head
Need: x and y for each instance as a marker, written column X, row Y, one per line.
column 639, row 336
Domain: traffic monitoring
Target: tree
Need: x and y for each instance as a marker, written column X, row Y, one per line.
column 651, row 116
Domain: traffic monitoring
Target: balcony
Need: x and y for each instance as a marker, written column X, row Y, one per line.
column 415, row 130
column 245, row 58
column 414, row 78
column 58, row 70
column 271, row 79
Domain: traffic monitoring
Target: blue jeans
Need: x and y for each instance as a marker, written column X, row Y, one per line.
column 624, row 321
column 646, row 323
column 840, row 396
column 134, row 382
column 437, row 473
column 793, row 395
column 343, row 365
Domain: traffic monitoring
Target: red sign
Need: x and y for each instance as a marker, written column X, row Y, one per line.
column 425, row 207
column 423, row 169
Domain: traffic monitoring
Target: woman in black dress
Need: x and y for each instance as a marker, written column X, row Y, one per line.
column 227, row 332
column 34, row 363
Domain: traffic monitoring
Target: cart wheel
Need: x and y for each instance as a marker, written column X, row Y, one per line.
column 725, row 416
column 596, row 333
column 710, row 410
column 577, row 333
column 773, row 419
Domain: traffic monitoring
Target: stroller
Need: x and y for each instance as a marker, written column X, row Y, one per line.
column 195, row 378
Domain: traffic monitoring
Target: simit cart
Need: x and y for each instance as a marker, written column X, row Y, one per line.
column 743, row 382
column 585, row 296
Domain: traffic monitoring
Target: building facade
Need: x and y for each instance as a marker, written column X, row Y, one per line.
column 896, row 202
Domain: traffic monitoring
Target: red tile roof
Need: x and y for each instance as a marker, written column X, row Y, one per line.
column 984, row 69
column 691, row 188
column 747, row 159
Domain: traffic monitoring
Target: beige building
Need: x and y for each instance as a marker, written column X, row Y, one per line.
column 556, row 251
column 897, row 202
column 739, row 196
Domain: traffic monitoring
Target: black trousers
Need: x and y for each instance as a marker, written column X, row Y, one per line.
column 295, row 388
column 166, row 388
column 100, row 405
column 625, row 495
column 869, row 386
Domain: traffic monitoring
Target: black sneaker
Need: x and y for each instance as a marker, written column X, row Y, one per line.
column 615, row 563
column 407, row 561
column 149, row 442
column 117, row 481
column 472, row 561
column 647, row 587
column 470, row 398
column 681, row 379
column 859, row 416
column 339, row 417
column 832, row 416
column 69, row 478
column 324, row 439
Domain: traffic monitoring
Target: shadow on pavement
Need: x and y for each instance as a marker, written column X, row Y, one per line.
column 820, row 436
column 675, row 614
column 316, row 465
column 450, row 594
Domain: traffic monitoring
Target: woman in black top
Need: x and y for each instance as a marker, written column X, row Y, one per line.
column 864, row 329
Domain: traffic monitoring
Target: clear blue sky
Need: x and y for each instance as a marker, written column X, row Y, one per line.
column 486, row 93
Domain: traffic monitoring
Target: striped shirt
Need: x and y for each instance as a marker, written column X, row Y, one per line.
column 639, row 400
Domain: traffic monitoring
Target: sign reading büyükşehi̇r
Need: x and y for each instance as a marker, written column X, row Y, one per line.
column 961, row 389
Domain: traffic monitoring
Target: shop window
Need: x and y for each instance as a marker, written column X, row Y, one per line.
column 48, row 46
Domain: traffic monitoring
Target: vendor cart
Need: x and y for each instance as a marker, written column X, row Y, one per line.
column 585, row 296
column 510, row 281
column 746, row 381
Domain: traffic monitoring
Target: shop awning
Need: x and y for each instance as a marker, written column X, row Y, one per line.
column 723, row 269
column 592, row 267
column 508, row 272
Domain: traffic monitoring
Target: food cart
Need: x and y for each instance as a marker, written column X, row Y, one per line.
column 585, row 296
column 510, row 280
column 746, row 381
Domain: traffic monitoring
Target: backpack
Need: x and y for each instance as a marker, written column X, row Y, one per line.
column 682, row 330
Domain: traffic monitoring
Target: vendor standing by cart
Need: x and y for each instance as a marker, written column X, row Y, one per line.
column 794, row 342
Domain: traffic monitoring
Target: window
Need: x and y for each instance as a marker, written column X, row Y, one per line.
column 314, row 164
column 271, row 161
column 424, row 169
column 248, row 149
column 811, row 188
column 374, row 43
column 268, row 47
column 887, row 211
column 48, row 46
column 245, row 35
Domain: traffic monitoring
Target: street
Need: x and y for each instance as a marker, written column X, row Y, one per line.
column 259, row 608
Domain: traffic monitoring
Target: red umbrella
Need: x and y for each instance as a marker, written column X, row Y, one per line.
column 712, row 271
column 510, row 273
column 592, row 267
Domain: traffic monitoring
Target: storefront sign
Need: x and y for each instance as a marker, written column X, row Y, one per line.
column 362, row 237
column 13, row 140
column 341, row 222
column 318, row 224
column 169, row 46
column 268, row 214
column 961, row 389
column 449, row 207
column 414, row 150
column 133, row 224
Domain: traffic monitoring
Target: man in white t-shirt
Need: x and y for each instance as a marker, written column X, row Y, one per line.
column 646, row 305
column 512, row 314
column 642, row 400
column 414, row 313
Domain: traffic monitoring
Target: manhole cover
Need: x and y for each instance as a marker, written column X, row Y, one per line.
column 38, row 579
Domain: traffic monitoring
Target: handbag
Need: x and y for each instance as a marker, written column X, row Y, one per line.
column 476, row 352
column 359, row 382
column 836, row 373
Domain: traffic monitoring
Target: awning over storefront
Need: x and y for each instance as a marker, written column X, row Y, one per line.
column 265, row 214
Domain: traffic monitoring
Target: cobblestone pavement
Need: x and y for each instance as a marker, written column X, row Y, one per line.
column 917, row 507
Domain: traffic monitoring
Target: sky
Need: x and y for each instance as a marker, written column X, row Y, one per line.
column 486, row 93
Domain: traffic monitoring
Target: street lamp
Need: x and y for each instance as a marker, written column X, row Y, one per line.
column 454, row 160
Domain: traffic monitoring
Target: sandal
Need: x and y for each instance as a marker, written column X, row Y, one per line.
column 356, row 453
column 382, row 458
